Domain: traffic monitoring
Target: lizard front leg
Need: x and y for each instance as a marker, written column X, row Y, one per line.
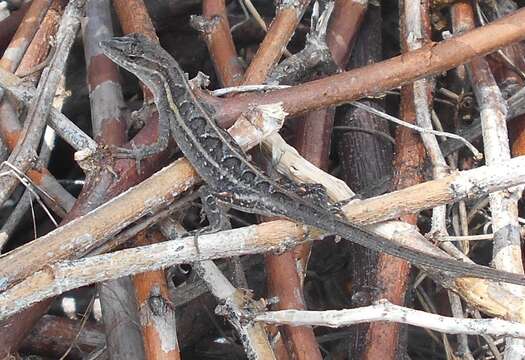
column 143, row 151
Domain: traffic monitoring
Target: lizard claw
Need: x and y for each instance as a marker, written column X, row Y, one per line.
column 202, row 231
column 338, row 206
column 126, row 153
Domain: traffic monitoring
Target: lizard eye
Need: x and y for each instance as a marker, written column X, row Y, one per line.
column 132, row 50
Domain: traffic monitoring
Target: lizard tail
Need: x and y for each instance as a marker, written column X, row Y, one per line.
column 431, row 262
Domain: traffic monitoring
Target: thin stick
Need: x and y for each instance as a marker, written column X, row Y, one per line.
column 247, row 88
column 472, row 148
column 386, row 311
column 465, row 237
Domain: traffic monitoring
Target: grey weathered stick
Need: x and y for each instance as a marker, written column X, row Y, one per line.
column 80, row 236
column 386, row 311
column 64, row 127
column 503, row 204
column 233, row 300
column 67, row 275
column 458, row 186
column 25, row 151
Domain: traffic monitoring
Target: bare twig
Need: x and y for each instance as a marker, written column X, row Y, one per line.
column 385, row 311
column 71, row 274
column 503, row 205
column 233, row 301
column 475, row 152
column 24, row 153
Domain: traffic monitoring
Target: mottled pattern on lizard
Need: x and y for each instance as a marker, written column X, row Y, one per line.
column 233, row 179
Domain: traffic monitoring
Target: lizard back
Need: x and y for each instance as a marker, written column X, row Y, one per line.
column 223, row 165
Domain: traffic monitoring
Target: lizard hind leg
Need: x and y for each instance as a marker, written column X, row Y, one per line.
column 217, row 213
column 317, row 194
column 313, row 192
column 214, row 212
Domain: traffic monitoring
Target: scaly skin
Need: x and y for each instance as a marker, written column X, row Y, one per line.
column 233, row 179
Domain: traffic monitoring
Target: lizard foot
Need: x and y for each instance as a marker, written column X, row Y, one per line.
column 135, row 152
column 214, row 210
column 202, row 231
column 337, row 207
column 127, row 153
column 347, row 201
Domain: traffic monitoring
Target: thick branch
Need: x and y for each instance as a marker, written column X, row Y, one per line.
column 459, row 186
column 156, row 192
column 373, row 79
column 67, row 275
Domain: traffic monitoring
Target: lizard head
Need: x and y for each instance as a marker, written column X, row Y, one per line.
column 134, row 52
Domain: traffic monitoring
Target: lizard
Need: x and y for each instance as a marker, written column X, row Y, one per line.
column 228, row 174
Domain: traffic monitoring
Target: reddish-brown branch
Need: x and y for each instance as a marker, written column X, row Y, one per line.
column 53, row 335
column 517, row 127
column 343, row 27
column 313, row 136
column 156, row 309
column 220, row 43
column 24, row 34
column 14, row 329
column 38, row 50
column 284, row 282
column 393, row 273
column 11, row 24
column 287, row 18
column 369, row 80
column 133, row 17
column 103, row 80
